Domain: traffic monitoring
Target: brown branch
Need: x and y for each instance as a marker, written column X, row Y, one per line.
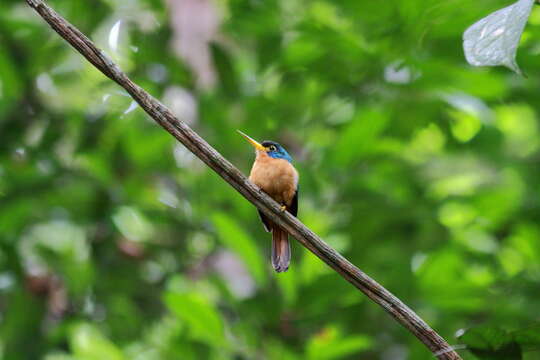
column 183, row 133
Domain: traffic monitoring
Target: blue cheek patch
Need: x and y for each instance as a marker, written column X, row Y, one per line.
column 280, row 155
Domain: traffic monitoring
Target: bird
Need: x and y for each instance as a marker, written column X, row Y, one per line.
column 274, row 173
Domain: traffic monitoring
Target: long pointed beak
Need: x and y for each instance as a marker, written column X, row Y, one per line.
column 255, row 144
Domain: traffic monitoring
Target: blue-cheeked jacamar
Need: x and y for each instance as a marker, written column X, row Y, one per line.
column 274, row 173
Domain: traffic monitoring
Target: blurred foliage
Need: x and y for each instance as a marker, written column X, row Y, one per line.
column 492, row 342
column 117, row 243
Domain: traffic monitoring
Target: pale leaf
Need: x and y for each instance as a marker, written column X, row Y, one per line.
column 494, row 39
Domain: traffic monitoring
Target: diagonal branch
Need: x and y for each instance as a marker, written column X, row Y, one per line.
column 190, row 139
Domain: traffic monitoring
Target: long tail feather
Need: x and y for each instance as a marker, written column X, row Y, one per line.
column 281, row 249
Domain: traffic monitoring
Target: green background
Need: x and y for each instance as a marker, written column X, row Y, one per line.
column 116, row 243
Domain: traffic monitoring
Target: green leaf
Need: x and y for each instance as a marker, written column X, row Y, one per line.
column 331, row 344
column 61, row 246
column 10, row 82
column 529, row 337
column 202, row 318
column 88, row 343
column 133, row 224
column 361, row 135
column 288, row 284
column 495, row 342
column 235, row 238
column 59, row 356
column 491, row 343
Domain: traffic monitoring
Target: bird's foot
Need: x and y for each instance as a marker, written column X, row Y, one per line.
column 283, row 208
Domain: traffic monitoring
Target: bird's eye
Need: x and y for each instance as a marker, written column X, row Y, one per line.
column 272, row 148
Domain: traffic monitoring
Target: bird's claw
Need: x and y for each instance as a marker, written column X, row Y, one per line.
column 283, row 208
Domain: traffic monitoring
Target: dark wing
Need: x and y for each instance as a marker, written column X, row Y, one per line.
column 293, row 209
column 265, row 221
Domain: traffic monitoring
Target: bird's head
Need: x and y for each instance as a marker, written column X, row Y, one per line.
column 270, row 148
